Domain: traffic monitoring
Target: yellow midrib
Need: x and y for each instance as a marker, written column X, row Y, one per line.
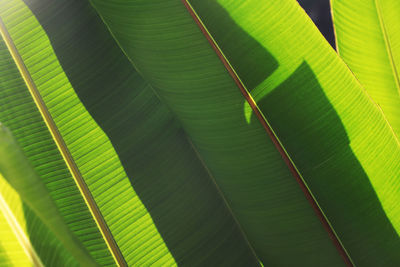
column 83, row 188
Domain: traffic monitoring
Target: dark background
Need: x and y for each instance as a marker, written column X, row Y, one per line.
column 319, row 11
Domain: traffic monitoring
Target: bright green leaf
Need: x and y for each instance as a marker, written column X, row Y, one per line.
column 17, row 170
column 368, row 40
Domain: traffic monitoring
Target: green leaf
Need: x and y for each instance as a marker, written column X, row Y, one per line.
column 368, row 40
column 180, row 169
column 176, row 59
column 15, row 248
column 19, row 173
column 20, row 114
column 157, row 198
column 26, row 240
column 311, row 100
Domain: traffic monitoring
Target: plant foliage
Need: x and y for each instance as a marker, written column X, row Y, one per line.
column 198, row 133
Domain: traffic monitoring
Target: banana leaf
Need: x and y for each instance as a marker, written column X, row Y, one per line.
column 326, row 126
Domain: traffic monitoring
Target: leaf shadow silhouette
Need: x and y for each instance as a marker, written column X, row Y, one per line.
column 314, row 136
column 312, row 132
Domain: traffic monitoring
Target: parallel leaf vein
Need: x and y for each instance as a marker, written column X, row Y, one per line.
column 388, row 46
column 83, row 188
column 223, row 197
column 285, row 156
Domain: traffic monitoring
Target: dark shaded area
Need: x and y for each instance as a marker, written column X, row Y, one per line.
column 320, row 12
column 163, row 169
column 314, row 136
column 251, row 61
column 305, row 114
column 4, row 258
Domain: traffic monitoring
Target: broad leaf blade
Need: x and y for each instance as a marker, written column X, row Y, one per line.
column 17, row 170
column 15, row 247
column 19, row 113
column 368, row 40
column 26, row 240
column 318, row 115
column 318, row 111
column 312, row 101
column 175, row 57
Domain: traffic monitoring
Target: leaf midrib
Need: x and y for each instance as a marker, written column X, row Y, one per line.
column 63, row 149
column 270, row 132
column 211, row 176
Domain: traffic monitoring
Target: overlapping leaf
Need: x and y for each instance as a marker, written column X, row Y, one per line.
column 138, row 139
column 311, row 100
column 181, row 170
column 19, row 173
